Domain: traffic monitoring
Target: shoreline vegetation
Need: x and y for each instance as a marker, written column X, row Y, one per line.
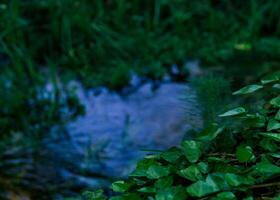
column 104, row 43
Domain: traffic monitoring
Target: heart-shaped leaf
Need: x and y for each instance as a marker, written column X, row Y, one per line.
column 191, row 173
column 155, row 172
column 192, row 150
column 202, row 188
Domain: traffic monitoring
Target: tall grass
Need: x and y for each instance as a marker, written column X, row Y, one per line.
column 93, row 40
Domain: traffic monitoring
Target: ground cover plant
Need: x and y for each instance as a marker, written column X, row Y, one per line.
column 219, row 163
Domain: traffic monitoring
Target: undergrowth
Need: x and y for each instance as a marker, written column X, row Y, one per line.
column 220, row 163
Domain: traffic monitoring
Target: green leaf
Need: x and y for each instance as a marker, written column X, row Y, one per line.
column 171, row 155
column 248, row 89
column 203, row 167
column 156, row 171
column 209, row 133
column 96, row 195
column 277, row 116
column 275, row 155
column 120, row 186
column 271, row 78
column 244, row 154
column 268, row 144
column 172, row 193
column 255, row 121
column 275, row 102
column 237, row 180
column 276, row 86
column 273, row 125
column 147, row 190
column 142, row 167
column 225, row 196
column 274, row 136
column 267, row 168
column 191, row 173
column 164, row 182
column 202, row 188
column 192, row 150
column 234, row 112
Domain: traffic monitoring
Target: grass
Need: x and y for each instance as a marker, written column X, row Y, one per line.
column 101, row 42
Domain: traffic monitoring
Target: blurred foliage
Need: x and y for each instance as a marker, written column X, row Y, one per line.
column 214, row 94
column 31, row 105
column 221, row 163
column 102, row 41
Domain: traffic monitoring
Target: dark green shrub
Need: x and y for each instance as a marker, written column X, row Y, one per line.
column 220, row 163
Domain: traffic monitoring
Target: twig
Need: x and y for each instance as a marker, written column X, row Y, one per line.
column 265, row 185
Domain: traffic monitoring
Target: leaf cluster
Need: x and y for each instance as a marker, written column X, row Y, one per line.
column 247, row 167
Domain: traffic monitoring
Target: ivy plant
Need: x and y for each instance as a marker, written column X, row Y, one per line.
column 248, row 168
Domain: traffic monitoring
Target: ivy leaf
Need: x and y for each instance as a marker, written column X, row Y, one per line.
column 234, row 112
column 192, row 150
column 274, row 136
column 191, row 173
column 209, row 133
column 275, row 102
column 255, row 121
column 273, row 125
column 120, row 186
column 275, row 155
column 225, row 196
column 271, row 78
column 156, row 172
column 164, row 182
column 244, row 154
column 203, row 167
column 142, row 167
column 276, row 86
column 171, row 155
column 172, row 193
column 268, row 144
column 236, row 180
column 267, row 168
column 96, row 195
column 203, row 188
column 248, row 89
